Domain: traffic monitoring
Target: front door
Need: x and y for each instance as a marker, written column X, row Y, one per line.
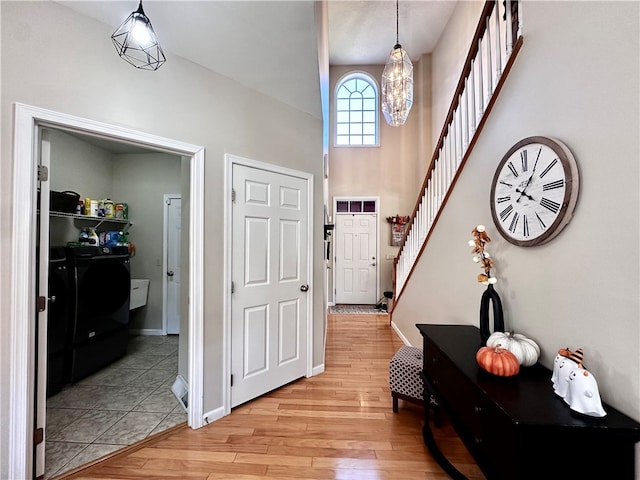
column 269, row 317
column 356, row 246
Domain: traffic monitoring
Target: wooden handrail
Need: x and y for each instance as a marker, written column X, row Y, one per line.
column 482, row 29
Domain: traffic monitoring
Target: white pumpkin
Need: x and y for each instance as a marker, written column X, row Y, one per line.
column 526, row 350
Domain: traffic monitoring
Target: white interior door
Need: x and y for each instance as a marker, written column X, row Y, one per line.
column 269, row 317
column 42, row 313
column 356, row 263
column 173, row 232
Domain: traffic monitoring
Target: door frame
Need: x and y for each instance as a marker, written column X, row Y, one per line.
column 229, row 161
column 21, row 352
column 165, row 253
column 335, row 236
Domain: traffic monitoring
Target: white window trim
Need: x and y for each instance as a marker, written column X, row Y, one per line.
column 347, row 76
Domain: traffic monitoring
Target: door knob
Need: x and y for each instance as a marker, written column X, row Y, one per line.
column 304, row 288
column 170, row 273
column 373, row 264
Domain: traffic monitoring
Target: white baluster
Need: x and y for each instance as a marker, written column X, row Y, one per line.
column 472, row 97
column 487, row 40
column 480, row 110
column 496, row 14
column 465, row 117
column 509, row 29
column 460, row 147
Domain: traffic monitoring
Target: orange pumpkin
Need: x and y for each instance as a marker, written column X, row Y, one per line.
column 498, row 361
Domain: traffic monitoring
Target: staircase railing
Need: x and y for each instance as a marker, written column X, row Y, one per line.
column 493, row 50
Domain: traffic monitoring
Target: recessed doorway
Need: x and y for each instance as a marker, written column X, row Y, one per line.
column 24, row 349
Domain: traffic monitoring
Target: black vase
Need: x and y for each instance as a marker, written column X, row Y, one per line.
column 490, row 295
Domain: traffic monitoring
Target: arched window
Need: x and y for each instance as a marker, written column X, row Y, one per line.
column 356, row 111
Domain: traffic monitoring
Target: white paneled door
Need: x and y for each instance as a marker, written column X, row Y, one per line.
column 356, row 263
column 270, row 281
column 173, row 215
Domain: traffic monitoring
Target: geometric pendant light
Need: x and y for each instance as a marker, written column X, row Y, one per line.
column 136, row 42
column 397, row 84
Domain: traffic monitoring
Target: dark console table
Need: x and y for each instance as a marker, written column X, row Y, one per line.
column 516, row 427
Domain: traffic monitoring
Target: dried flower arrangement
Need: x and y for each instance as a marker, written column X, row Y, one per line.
column 398, row 220
column 481, row 256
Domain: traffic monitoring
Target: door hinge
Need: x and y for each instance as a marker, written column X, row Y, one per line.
column 38, row 436
column 233, row 195
column 232, row 380
column 41, row 304
column 233, row 287
column 43, row 173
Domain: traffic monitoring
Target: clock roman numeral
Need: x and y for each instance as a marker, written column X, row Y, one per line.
column 513, row 169
column 525, row 226
column 523, row 158
column 504, row 214
column 542, row 225
column 503, row 199
column 552, row 185
column 549, row 167
column 514, row 222
column 505, row 183
column 550, row 205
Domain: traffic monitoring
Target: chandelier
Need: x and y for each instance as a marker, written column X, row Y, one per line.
column 397, row 84
column 136, row 42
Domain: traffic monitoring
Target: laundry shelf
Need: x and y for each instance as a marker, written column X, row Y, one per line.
column 94, row 221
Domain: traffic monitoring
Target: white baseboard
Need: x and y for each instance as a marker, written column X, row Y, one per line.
column 402, row 337
column 214, row 415
column 180, row 389
column 146, row 331
column 317, row 370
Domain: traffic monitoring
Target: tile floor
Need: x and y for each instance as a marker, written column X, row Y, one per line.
column 117, row 406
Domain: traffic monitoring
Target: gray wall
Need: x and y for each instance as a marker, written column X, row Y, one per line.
column 579, row 84
column 143, row 180
column 56, row 59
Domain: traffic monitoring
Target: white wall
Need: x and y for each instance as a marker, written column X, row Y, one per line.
column 579, row 84
column 55, row 59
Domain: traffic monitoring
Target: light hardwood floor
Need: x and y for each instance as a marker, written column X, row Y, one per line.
column 337, row 425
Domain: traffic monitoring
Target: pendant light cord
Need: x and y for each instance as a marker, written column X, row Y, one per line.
column 397, row 36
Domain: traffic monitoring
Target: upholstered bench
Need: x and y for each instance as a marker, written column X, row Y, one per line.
column 405, row 380
column 404, row 376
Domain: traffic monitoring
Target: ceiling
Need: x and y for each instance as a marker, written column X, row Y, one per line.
column 272, row 46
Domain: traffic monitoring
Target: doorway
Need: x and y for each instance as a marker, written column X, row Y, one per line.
column 121, row 366
column 22, row 387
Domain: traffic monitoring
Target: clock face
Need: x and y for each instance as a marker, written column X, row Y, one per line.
column 534, row 191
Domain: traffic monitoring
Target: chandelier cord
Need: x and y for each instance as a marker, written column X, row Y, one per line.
column 397, row 36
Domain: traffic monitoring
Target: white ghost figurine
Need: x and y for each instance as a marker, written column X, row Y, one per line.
column 582, row 393
column 563, row 354
column 565, row 366
column 568, row 360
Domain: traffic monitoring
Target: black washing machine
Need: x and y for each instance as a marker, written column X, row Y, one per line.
column 57, row 321
column 100, row 283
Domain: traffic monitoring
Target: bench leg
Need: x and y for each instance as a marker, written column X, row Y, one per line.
column 394, row 396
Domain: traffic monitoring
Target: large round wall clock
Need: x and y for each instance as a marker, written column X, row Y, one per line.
column 534, row 191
